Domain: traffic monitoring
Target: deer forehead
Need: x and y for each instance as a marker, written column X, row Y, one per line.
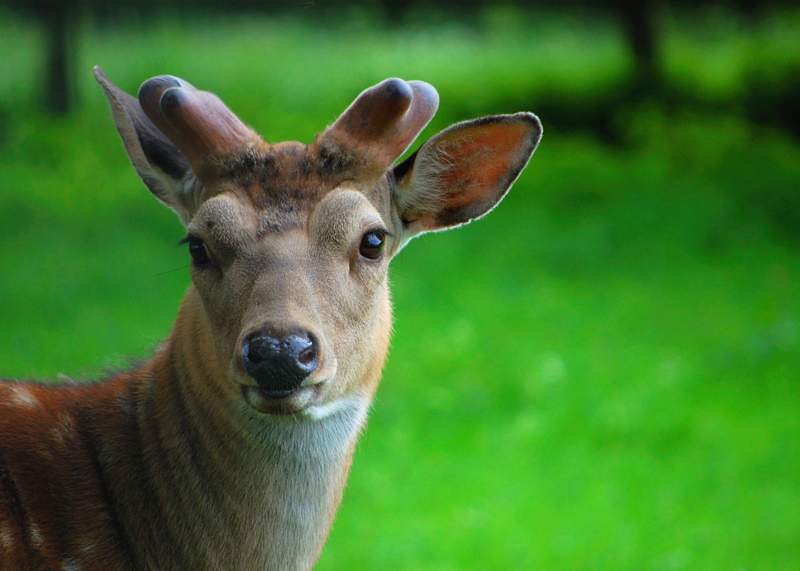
column 340, row 217
column 287, row 176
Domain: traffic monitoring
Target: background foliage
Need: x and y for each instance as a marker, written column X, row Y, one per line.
column 601, row 374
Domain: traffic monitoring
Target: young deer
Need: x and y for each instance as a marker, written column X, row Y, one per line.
column 230, row 448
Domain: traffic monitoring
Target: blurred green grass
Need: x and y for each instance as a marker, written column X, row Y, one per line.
column 602, row 374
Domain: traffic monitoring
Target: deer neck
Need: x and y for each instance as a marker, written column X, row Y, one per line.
column 236, row 488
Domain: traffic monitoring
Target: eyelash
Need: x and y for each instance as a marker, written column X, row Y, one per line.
column 198, row 250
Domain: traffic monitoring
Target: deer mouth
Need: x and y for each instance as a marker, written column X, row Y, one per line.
column 277, row 394
column 282, row 401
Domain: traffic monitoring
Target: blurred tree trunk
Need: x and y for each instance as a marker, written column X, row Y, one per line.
column 57, row 17
column 639, row 26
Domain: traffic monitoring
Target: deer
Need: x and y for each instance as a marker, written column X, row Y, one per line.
column 230, row 447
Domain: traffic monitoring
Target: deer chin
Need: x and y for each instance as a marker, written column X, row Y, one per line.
column 282, row 403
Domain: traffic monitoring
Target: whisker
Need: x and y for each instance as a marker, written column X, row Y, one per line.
column 165, row 272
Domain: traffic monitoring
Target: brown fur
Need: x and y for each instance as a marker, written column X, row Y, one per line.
column 183, row 462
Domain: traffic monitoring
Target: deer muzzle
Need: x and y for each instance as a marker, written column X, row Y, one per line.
column 279, row 361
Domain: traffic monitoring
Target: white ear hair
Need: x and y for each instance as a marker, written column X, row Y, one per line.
column 429, row 168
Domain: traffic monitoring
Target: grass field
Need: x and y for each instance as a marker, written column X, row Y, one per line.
column 602, row 374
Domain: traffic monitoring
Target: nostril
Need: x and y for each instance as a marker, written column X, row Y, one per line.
column 308, row 356
column 303, row 351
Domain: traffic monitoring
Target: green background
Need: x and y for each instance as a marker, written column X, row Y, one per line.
column 602, row 374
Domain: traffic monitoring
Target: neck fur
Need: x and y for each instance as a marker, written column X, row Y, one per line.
column 240, row 489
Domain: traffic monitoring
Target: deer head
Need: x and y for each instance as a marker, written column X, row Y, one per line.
column 289, row 310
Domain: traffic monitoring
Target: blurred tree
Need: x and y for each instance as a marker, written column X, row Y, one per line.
column 638, row 21
column 56, row 17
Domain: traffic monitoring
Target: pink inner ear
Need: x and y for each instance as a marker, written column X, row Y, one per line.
column 463, row 172
column 480, row 160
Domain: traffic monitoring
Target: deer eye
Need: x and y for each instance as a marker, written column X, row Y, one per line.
column 198, row 250
column 372, row 244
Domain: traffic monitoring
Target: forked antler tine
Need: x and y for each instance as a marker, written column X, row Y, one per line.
column 197, row 122
column 150, row 100
column 385, row 119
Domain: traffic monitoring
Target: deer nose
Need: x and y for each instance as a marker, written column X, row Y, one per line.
column 279, row 362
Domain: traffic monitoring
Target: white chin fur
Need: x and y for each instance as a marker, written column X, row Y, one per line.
column 318, row 412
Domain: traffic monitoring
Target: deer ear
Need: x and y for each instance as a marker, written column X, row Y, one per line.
column 463, row 172
column 159, row 163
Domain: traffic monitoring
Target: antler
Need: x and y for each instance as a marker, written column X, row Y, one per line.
column 197, row 122
column 384, row 120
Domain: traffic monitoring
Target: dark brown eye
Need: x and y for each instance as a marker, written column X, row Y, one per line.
column 372, row 244
column 198, row 251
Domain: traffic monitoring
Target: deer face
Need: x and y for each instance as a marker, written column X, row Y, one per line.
column 293, row 284
column 290, row 244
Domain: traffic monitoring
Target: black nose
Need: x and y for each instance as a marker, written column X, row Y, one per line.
column 279, row 362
